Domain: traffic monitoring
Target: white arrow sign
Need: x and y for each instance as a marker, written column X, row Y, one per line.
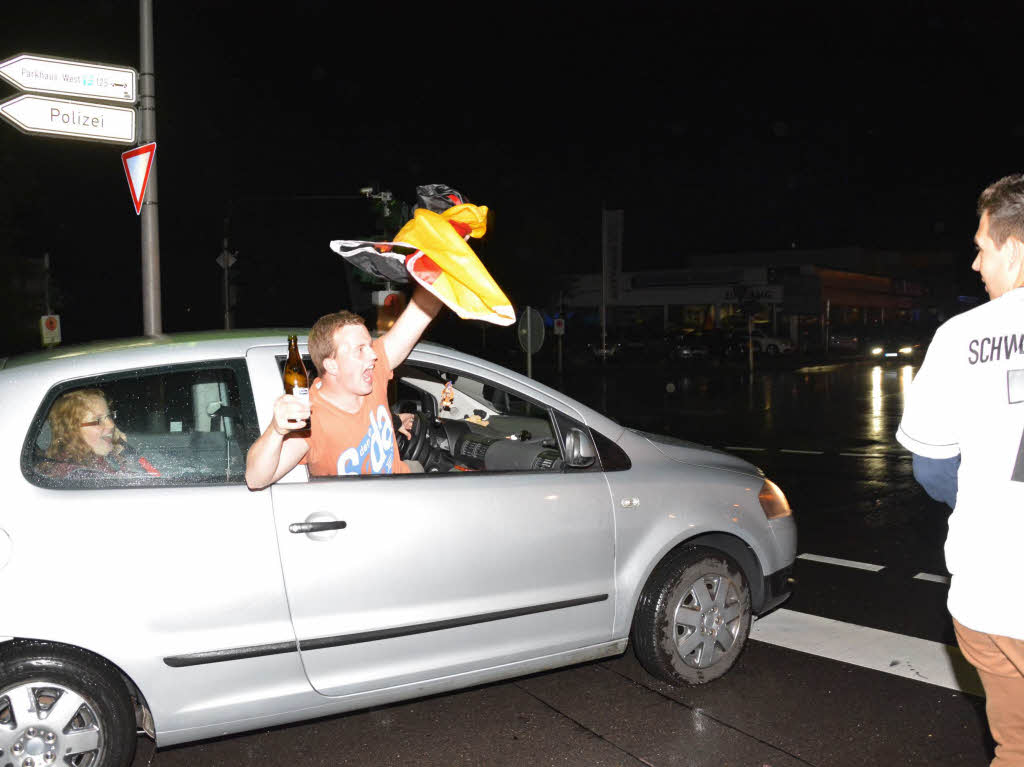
column 44, row 74
column 70, row 119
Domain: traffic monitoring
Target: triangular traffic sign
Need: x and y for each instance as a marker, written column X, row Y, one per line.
column 137, row 164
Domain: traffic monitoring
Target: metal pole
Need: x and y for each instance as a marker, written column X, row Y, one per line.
column 529, row 343
column 226, row 255
column 561, row 315
column 750, row 343
column 604, row 284
column 826, row 325
column 46, row 274
column 151, row 314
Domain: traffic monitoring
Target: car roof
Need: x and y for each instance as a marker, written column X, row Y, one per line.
column 242, row 338
column 227, row 340
column 44, row 367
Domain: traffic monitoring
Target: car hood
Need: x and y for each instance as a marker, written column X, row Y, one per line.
column 701, row 455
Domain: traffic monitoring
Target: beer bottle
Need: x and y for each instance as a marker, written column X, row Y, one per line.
column 296, row 382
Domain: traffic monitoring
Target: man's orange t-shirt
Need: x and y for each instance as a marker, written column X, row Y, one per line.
column 354, row 443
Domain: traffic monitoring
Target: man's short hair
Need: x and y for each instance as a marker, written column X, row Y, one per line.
column 1004, row 203
column 321, row 337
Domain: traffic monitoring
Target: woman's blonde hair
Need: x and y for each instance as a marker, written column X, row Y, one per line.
column 66, row 418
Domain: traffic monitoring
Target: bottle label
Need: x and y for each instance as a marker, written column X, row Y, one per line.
column 301, row 393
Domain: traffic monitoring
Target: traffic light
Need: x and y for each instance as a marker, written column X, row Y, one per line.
column 390, row 304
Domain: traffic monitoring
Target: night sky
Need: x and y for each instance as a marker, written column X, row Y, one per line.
column 796, row 127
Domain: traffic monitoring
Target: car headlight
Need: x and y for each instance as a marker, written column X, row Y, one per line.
column 906, row 350
column 876, row 350
column 773, row 501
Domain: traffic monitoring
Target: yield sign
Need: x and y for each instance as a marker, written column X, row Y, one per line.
column 137, row 164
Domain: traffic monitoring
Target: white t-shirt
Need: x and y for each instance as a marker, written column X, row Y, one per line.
column 968, row 398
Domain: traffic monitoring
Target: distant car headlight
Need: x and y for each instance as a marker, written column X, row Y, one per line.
column 906, row 350
column 773, row 501
column 876, row 350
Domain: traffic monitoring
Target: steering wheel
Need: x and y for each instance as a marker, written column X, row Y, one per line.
column 418, row 447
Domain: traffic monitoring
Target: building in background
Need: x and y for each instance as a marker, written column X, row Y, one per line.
column 807, row 295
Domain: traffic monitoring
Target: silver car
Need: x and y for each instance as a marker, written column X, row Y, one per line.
column 161, row 593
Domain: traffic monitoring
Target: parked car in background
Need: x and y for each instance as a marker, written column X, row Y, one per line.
column 157, row 591
column 689, row 346
column 736, row 344
column 844, row 341
column 772, row 345
column 606, row 353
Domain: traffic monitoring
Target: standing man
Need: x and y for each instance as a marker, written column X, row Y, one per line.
column 352, row 430
column 967, row 401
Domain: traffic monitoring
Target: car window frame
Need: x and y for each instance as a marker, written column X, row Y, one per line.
column 560, row 423
column 249, row 427
column 555, row 417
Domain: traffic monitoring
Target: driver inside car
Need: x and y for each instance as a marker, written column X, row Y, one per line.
column 351, row 430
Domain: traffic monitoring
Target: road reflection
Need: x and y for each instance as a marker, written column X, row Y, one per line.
column 843, row 406
column 876, row 400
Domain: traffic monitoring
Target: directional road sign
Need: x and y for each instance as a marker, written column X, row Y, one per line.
column 45, row 74
column 69, row 119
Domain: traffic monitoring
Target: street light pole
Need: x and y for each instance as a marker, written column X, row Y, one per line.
column 151, row 310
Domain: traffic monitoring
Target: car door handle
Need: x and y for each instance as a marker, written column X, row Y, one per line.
column 630, row 503
column 316, row 527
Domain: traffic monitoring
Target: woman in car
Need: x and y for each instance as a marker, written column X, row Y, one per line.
column 85, row 442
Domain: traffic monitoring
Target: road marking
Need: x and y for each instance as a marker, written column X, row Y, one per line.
column 908, row 657
column 932, row 578
column 843, row 562
column 890, row 454
column 819, row 368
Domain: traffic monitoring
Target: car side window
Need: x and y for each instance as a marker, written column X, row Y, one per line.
column 180, row 425
column 466, row 424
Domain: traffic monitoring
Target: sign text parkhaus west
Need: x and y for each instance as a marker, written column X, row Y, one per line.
column 45, row 112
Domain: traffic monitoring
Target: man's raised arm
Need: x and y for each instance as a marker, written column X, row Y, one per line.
column 408, row 328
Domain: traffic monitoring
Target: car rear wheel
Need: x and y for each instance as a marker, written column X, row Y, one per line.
column 693, row 618
column 58, row 706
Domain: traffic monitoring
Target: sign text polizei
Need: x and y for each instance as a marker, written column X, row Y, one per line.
column 70, row 119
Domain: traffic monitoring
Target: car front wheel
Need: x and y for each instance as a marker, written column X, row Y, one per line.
column 59, row 706
column 693, row 618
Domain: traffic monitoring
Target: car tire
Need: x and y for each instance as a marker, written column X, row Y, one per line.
column 773, row 350
column 693, row 617
column 94, row 720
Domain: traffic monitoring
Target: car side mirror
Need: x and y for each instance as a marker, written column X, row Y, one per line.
column 580, row 450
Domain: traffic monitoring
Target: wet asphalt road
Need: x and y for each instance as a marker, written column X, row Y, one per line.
column 825, row 436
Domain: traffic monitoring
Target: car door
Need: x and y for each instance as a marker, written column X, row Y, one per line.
column 170, row 569
column 432, row 575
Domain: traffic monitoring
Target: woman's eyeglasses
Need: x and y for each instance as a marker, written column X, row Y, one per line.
column 100, row 419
